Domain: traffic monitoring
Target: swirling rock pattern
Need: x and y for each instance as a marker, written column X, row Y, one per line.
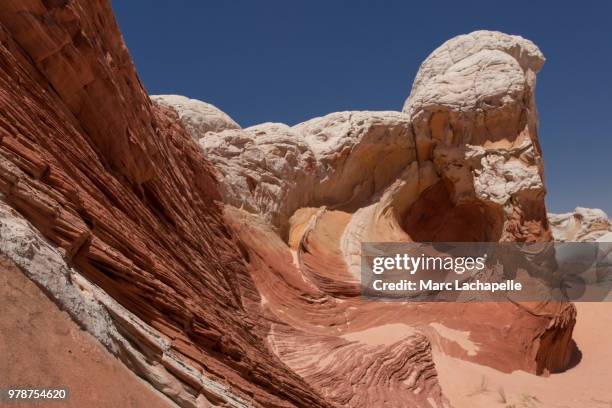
column 582, row 225
column 117, row 185
column 462, row 162
column 224, row 271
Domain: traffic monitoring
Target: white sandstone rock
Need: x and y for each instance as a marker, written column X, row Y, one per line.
column 262, row 168
column 607, row 237
column 472, row 104
column 450, row 56
column 198, row 117
column 476, row 88
column 469, row 127
column 584, row 224
column 341, row 160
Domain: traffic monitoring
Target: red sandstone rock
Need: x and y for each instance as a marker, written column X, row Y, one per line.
column 121, row 187
column 264, row 302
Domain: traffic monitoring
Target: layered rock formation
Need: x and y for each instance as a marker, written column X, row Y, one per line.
column 41, row 345
column 224, row 272
column 126, row 198
column 582, row 225
column 462, row 162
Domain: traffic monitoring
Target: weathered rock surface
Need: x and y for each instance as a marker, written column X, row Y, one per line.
column 198, row 117
column 75, row 53
column 582, row 225
column 145, row 350
column 223, row 272
column 339, row 160
column 117, row 185
column 461, row 163
column 41, row 345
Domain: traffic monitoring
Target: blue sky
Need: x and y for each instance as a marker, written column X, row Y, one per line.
column 288, row 61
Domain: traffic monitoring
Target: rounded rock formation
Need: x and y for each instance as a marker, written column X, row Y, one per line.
column 461, row 163
column 198, row 117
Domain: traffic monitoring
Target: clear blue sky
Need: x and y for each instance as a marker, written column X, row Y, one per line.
column 288, row 61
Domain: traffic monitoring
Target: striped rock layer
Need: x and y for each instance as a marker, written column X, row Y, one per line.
column 220, row 264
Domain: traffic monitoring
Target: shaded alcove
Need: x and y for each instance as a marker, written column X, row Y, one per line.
column 434, row 217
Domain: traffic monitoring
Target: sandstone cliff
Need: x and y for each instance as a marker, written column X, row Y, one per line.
column 219, row 263
column 126, row 198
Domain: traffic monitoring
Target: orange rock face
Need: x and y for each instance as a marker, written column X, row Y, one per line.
column 263, row 303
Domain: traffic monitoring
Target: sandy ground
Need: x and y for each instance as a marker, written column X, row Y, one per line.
column 41, row 346
column 587, row 385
